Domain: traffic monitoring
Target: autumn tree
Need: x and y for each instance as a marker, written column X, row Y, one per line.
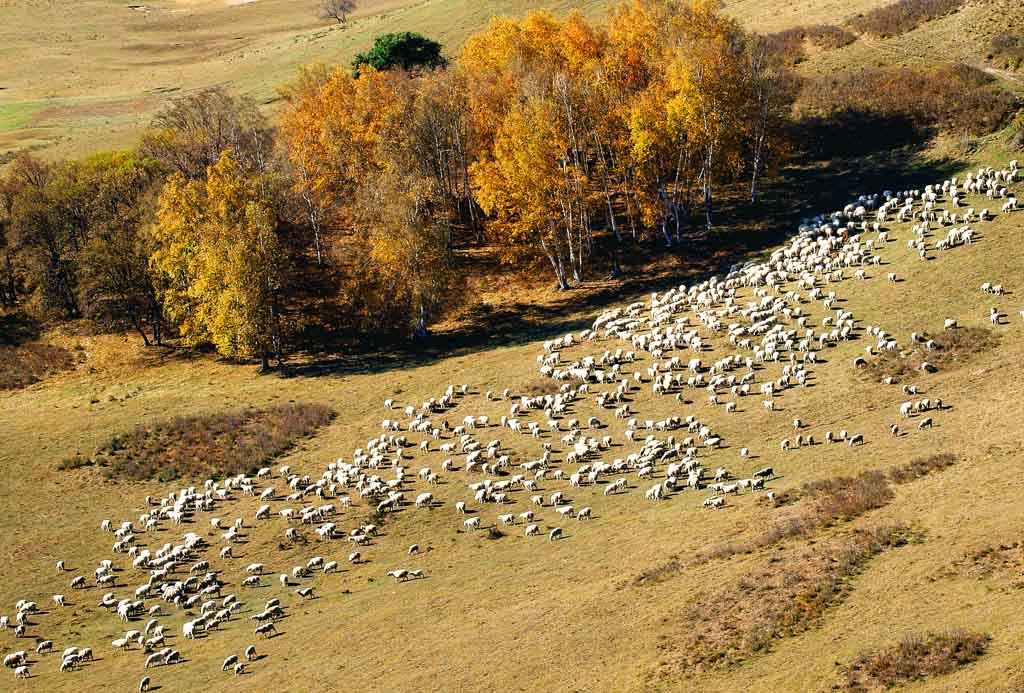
column 382, row 152
column 190, row 134
column 217, row 261
column 537, row 115
column 115, row 285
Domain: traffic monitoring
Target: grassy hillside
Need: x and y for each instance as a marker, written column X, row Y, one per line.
column 81, row 80
column 73, row 82
column 518, row 613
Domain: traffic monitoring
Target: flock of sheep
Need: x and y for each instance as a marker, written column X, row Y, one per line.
column 754, row 333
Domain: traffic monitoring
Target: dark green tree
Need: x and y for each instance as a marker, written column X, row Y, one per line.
column 404, row 49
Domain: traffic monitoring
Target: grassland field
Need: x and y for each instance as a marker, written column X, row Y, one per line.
column 518, row 613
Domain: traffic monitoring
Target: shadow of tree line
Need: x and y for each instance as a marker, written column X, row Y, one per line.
column 840, row 157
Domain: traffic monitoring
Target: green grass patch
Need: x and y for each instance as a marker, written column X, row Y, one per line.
column 14, row 116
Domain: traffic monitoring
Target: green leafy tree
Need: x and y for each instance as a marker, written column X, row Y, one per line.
column 406, row 49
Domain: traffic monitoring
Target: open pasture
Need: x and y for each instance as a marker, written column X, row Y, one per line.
column 495, row 608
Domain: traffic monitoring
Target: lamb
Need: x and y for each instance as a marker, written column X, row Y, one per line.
column 144, row 683
column 22, row 672
column 472, row 523
column 229, row 662
column 250, row 652
column 531, row 530
column 925, row 423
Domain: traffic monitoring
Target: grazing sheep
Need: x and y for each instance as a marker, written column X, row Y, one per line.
column 250, row 652
column 555, row 533
column 531, row 530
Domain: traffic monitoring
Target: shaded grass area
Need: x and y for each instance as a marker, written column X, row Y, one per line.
column 902, row 16
column 212, row 445
column 914, row 657
column 952, row 349
column 783, row 597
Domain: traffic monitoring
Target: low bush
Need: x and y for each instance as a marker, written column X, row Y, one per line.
column 789, row 43
column 915, row 657
column 210, row 445
column 785, row 596
column 921, row 466
column 918, row 97
column 1007, row 51
column 953, row 348
column 27, row 364
column 902, row 16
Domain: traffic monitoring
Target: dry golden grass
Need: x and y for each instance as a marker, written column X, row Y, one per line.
column 74, row 80
column 532, row 601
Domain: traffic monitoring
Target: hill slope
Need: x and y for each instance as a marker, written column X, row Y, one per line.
column 524, row 613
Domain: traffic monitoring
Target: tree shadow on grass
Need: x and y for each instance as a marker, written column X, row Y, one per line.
column 849, row 154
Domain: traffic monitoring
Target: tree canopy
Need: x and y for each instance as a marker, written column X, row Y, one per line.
column 406, row 49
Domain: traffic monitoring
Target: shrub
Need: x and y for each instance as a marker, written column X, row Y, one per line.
column 921, row 97
column 1007, row 51
column 915, row 657
column 785, row 596
column 902, row 16
column 953, row 348
column 829, row 36
column 210, row 445
column 539, row 386
column 789, row 43
column 848, row 497
column 921, row 466
column 21, row 366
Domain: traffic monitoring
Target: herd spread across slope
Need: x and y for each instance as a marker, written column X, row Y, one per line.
column 724, row 347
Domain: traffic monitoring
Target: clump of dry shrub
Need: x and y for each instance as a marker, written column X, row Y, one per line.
column 917, row 96
column 921, row 466
column 902, row 16
column 915, row 657
column 789, row 43
column 24, row 365
column 785, row 596
column 208, row 445
column 538, row 387
column 1007, row 51
column 953, row 348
